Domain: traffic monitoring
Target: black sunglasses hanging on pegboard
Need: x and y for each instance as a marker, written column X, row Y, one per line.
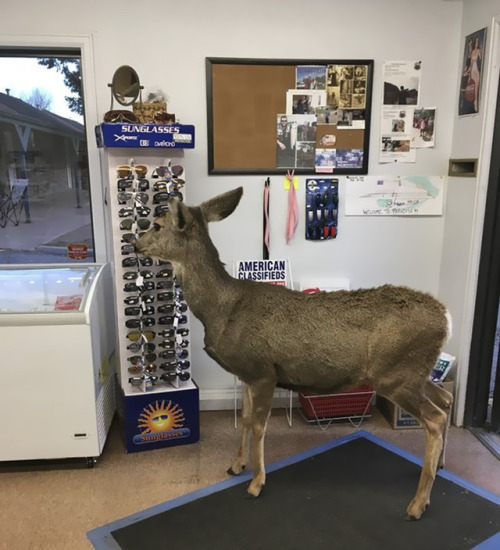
column 153, row 307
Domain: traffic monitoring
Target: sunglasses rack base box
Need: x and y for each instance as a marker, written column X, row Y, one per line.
column 159, row 402
column 157, row 420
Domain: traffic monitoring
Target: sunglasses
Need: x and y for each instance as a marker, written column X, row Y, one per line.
column 146, row 310
column 160, row 210
column 128, row 248
column 168, row 377
column 147, row 298
column 130, row 287
column 146, row 274
column 162, row 196
column 137, row 381
column 132, row 300
column 165, row 296
column 150, row 368
column 143, row 211
column 183, row 343
column 138, row 323
column 140, row 360
column 167, row 333
column 126, row 212
column 120, row 116
column 183, row 332
column 142, row 223
column 183, row 365
column 148, row 335
column 167, row 344
column 166, row 320
column 164, row 285
column 167, row 308
column 142, row 184
column 182, row 353
column 129, row 262
column 147, row 347
column 162, row 185
column 135, row 370
column 124, row 184
column 167, row 273
column 126, row 170
column 181, row 307
column 131, row 238
column 184, row 376
column 130, row 275
column 162, row 172
column 169, row 366
column 167, row 354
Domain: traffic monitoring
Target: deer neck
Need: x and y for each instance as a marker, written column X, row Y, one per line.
column 207, row 287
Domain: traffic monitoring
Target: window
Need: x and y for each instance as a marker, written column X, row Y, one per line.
column 45, row 202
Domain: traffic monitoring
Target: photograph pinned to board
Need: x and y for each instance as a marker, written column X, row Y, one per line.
column 472, row 63
column 394, row 195
column 311, row 77
column 295, row 140
column 286, row 141
column 423, row 127
column 402, row 82
column 304, row 102
column 322, row 203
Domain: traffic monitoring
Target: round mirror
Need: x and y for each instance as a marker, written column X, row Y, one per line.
column 125, row 86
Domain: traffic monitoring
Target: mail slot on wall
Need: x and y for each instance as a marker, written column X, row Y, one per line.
column 462, row 168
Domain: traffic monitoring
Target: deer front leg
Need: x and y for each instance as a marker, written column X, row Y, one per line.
column 241, row 459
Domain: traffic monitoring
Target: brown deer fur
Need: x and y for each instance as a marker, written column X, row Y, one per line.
column 270, row 336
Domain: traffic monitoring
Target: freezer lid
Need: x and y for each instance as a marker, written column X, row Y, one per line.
column 46, row 291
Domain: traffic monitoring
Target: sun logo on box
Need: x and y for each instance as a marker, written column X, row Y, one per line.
column 160, row 417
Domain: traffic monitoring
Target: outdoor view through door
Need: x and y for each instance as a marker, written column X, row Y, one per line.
column 45, row 209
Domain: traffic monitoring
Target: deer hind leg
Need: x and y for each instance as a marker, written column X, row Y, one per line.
column 444, row 400
column 261, row 395
column 246, row 423
column 433, row 420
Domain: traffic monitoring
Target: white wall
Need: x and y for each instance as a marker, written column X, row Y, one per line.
column 472, row 137
column 167, row 43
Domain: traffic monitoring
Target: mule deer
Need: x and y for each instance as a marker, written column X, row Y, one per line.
column 389, row 337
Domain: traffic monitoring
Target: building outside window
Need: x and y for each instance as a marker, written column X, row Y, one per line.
column 45, row 202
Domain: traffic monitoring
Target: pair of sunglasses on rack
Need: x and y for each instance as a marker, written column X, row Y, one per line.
column 139, row 380
column 138, row 323
column 146, row 347
column 128, row 211
column 147, row 335
column 134, row 311
column 129, row 171
column 142, row 359
column 139, row 197
column 149, row 369
column 134, row 300
column 133, row 261
column 170, row 377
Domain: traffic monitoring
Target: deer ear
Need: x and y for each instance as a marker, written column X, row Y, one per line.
column 221, row 206
column 179, row 214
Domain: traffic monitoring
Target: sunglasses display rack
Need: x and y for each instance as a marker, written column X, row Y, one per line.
column 152, row 315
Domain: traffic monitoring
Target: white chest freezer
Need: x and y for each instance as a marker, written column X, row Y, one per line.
column 57, row 370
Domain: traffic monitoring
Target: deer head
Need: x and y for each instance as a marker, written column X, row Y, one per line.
column 173, row 234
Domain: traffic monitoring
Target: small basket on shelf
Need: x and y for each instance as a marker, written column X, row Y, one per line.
column 353, row 405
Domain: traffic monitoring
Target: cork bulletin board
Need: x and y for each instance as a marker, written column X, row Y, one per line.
column 269, row 115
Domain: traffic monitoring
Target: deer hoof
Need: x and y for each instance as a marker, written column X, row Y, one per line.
column 233, row 472
column 254, row 490
column 414, row 511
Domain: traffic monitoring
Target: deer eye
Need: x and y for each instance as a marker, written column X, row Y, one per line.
column 156, row 226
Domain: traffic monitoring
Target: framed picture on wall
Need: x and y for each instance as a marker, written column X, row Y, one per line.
column 269, row 115
column 472, row 72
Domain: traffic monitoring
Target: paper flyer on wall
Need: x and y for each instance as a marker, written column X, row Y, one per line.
column 394, row 195
column 402, row 82
column 396, row 132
